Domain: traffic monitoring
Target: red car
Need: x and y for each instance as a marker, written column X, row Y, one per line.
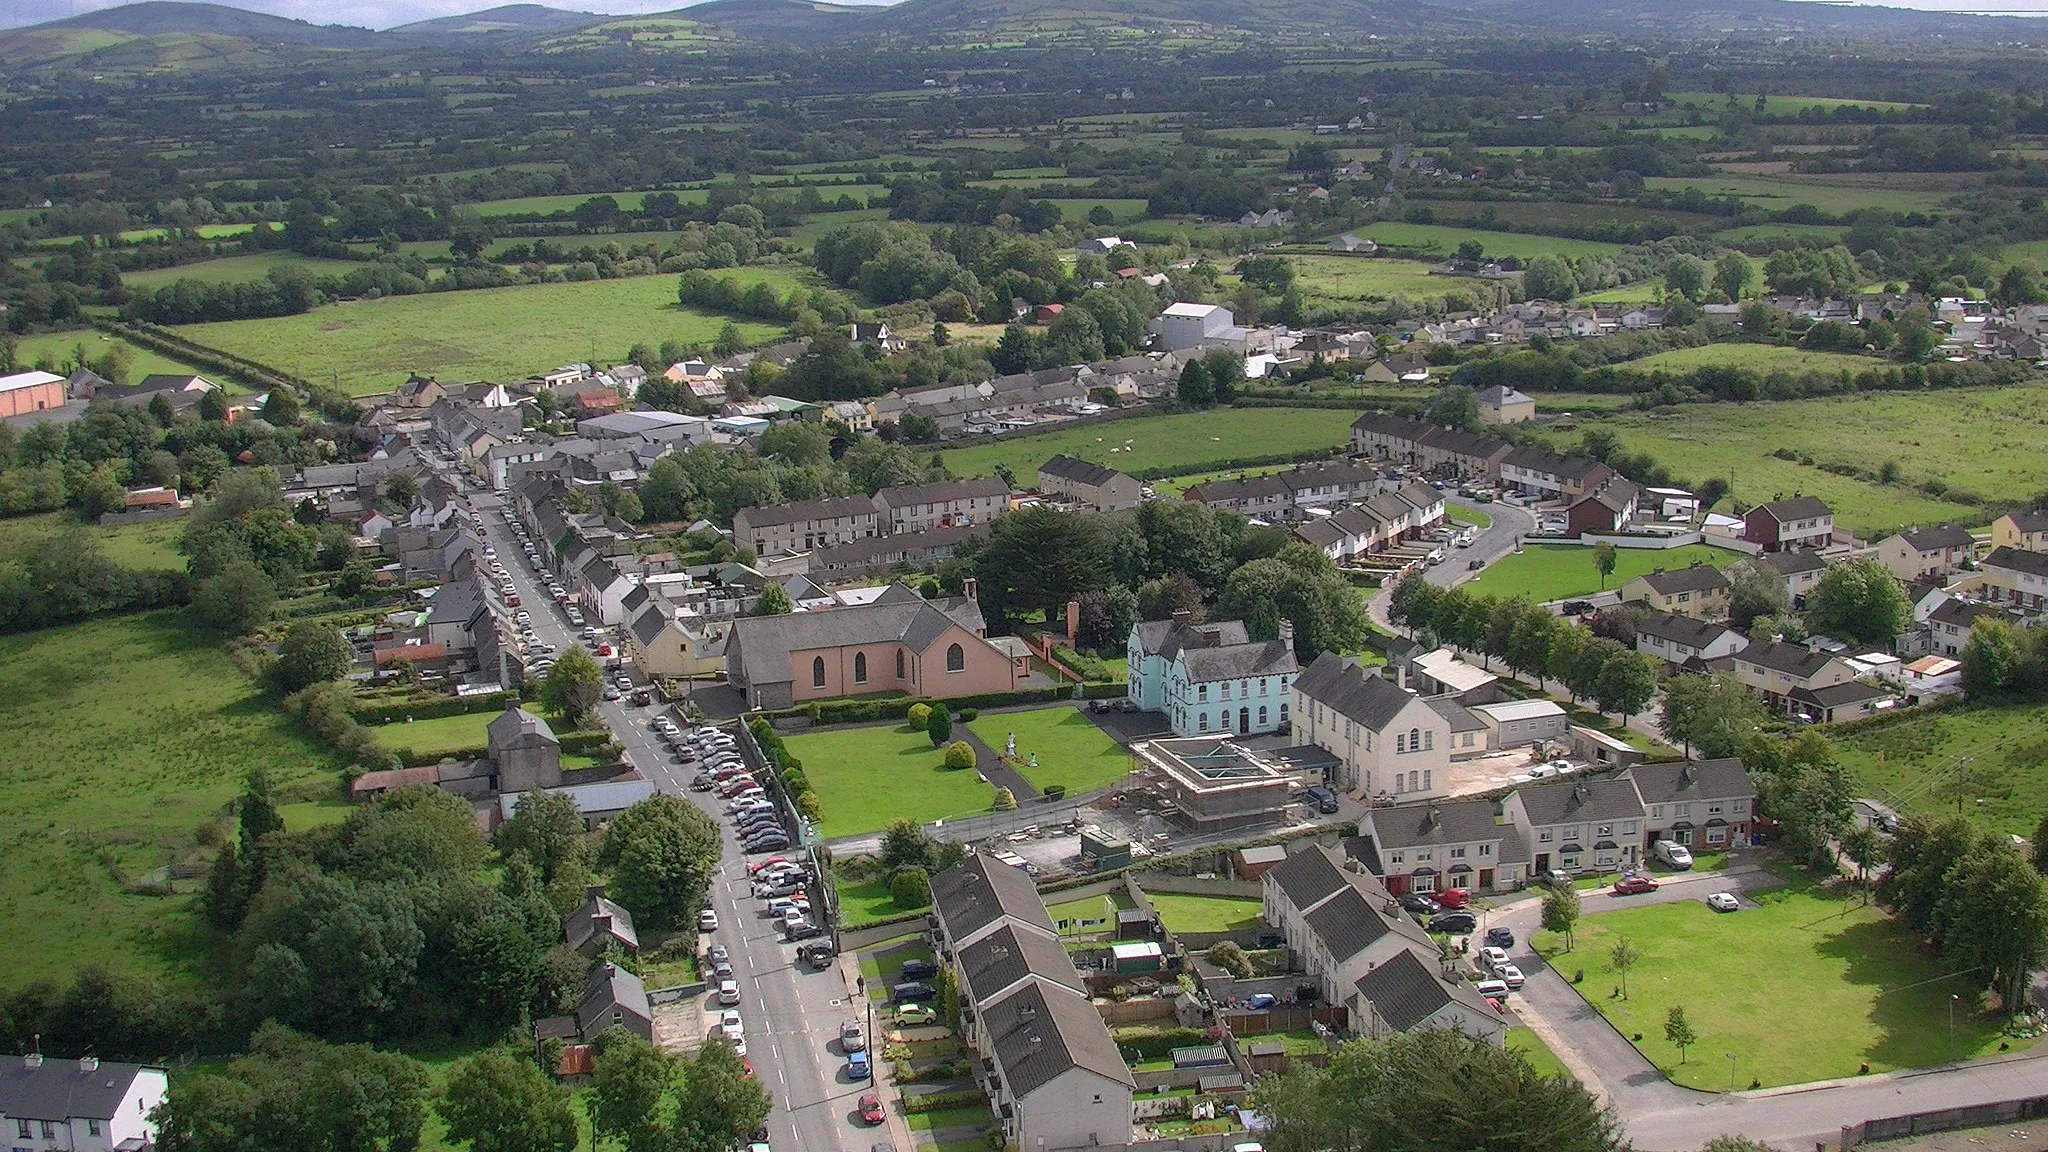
column 1454, row 897
column 1634, row 885
column 871, row 1109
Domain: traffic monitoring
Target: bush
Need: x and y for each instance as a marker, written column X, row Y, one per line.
column 433, row 707
column 1153, row 1043
column 1055, row 791
column 812, row 808
column 918, row 714
column 910, row 887
column 1229, row 956
column 1005, row 802
column 967, row 715
column 959, row 754
column 939, row 725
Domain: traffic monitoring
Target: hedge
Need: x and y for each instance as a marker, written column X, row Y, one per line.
column 1171, row 470
column 940, row 1101
column 434, row 707
column 1152, row 1044
column 898, row 707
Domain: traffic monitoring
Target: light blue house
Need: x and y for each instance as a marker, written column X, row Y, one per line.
column 1210, row 678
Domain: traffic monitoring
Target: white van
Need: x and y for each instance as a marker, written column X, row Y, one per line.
column 1674, row 854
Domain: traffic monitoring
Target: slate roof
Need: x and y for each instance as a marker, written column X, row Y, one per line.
column 1680, row 629
column 2030, row 521
column 1075, row 471
column 944, row 492
column 648, row 624
column 1567, row 800
column 980, row 890
column 1166, row 639
column 60, row 1090
column 1691, row 781
column 764, row 643
column 1460, row 717
column 607, row 987
column 1308, row 876
column 1793, row 561
column 1794, row 660
column 1405, row 991
column 804, row 511
column 1351, row 691
column 582, row 923
column 1797, row 508
column 2018, row 560
column 1501, row 395
column 1267, row 658
column 998, row 960
column 1963, row 613
column 1696, row 578
column 515, row 723
column 1347, row 924
column 1937, row 538
column 1837, row 695
column 1038, row 1035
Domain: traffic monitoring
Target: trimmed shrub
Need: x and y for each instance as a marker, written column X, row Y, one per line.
column 1005, row 801
column 967, row 715
column 910, row 888
column 918, row 714
column 959, row 754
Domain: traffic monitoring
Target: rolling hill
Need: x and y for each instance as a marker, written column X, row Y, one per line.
column 507, row 18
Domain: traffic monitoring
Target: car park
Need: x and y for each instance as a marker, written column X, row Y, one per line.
column 871, row 1107
column 1723, row 901
column 850, row 1037
column 1634, row 885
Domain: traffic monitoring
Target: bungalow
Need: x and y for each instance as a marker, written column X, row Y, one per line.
column 1701, row 591
column 1780, row 524
column 1921, row 553
column 2027, row 531
column 1835, row 703
column 1678, row 640
column 614, row 997
column 1702, row 804
column 1387, row 740
column 1775, row 670
column 2017, row 576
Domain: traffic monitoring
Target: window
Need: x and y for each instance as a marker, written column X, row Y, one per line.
column 1713, row 809
column 1457, row 853
column 21, row 1129
column 1203, row 722
column 860, row 667
column 956, row 659
column 1735, row 807
column 1262, row 715
column 1202, row 693
column 1656, row 812
column 1716, row 835
column 1682, row 811
column 1543, row 836
column 49, row 1130
column 817, row 671
column 1628, row 827
column 1223, row 690
column 899, row 663
column 1283, row 720
column 92, row 1127
column 1262, row 687
column 1429, row 740
column 1426, row 785
column 1412, row 785
column 1414, row 739
column 1603, row 830
column 1425, row 854
column 1486, row 849
column 1400, row 742
column 1397, row 858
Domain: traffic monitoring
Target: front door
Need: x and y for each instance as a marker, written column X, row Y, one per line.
column 1486, row 879
column 1542, row 863
column 1244, row 721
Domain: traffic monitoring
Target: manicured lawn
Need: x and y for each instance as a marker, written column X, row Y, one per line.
column 1912, row 764
column 1539, row 1055
column 1759, row 357
column 1805, row 986
column 492, row 334
column 120, row 738
column 1979, row 444
column 963, row 1117
column 1089, row 914
column 1192, row 440
column 864, row 901
column 150, row 544
column 1544, row 572
column 1182, row 912
column 1467, row 514
column 443, row 735
column 1071, row 750
column 866, row 777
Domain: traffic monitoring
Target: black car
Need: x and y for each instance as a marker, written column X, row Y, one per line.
column 911, row 991
column 767, row 844
column 1453, row 922
column 1418, row 904
column 918, row 970
column 819, row 955
column 1499, row 938
column 1577, row 607
column 1475, row 565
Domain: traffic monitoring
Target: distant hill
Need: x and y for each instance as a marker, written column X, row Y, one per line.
column 1714, row 17
column 516, row 18
column 162, row 17
column 157, row 35
column 799, row 21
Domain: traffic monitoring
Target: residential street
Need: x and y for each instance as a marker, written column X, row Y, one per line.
column 791, row 1012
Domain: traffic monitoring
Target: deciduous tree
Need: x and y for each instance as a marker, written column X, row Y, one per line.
column 494, row 1102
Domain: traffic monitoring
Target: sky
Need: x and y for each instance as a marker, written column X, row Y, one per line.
column 388, row 13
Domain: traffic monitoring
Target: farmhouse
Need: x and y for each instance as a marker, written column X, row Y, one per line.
column 1780, row 524
column 1103, row 489
column 899, row 642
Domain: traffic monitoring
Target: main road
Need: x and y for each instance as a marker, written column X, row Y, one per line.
column 792, row 1013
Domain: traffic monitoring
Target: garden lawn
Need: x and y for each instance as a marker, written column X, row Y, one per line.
column 148, row 544
column 1088, row 914
column 1545, row 572
column 864, row 902
column 1182, row 912
column 55, row 348
column 120, row 738
column 1539, row 1055
column 369, row 346
column 1912, row 763
column 1189, row 441
column 1759, row 357
column 1979, row 447
column 1071, row 750
column 441, row 736
column 1467, row 514
column 866, row 777
column 968, row 1116
column 1805, row 986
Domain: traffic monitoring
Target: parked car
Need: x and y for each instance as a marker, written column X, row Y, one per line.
column 1674, row 854
column 1723, row 901
column 850, row 1037
column 871, row 1107
column 1453, row 922
column 918, row 970
column 1634, row 885
column 702, row 784
column 1491, row 958
column 818, row 956
column 911, row 991
column 1493, row 989
column 766, row 844
column 1577, row 607
column 707, row 921
column 916, row 1014
column 805, row 929
column 1420, row 905
column 858, row 1067
column 1555, row 878
column 1474, row 565
column 1321, row 799
column 728, row 992
column 1500, row 937
column 1454, row 897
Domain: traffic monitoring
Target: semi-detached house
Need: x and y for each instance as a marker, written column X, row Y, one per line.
column 1700, row 591
column 1702, row 804
column 1594, row 825
column 1922, row 553
column 1800, row 522
column 1677, row 639
column 2027, row 531
column 1799, row 569
column 1445, row 844
column 1775, row 670
column 2017, row 577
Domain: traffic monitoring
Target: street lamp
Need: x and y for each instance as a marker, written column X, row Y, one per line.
column 1952, row 1027
column 1731, row 1070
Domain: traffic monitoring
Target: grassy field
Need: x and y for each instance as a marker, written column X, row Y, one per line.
column 1458, row 513
column 1759, row 357
column 866, row 777
column 1994, row 758
column 232, row 269
column 57, row 347
column 1187, row 440
column 1446, row 238
column 1984, row 442
column 1181, row 912
column 1545, row 572
column 1781, row 192
column 490, row 334
column 1180, row 484
column 120, row 738
column 1805, row 986
column 1714, row 102
column 148, row 545
column 441, row 736
column 1075, row 211
column 1369, row 277
column 524, row 205
column 1539, row 1055
column 1071, row 750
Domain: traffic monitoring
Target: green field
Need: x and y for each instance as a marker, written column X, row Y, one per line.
column 1782, row 192
column 1072, row 751
column 1539, row 1055
column 1982, row 442
column 1181, row 912
column 151, row 544
column 1994, row 758
column 57, row 348
column 440, row 736
column 121, row 737
column 866, row 777
column 1805, row 986
column 370, row 346
column 1759, row 357
column 1715, row 102
column 235, row 269
column 1446, row 239
column 1545, row 572
column 1076, row 211
column 1371, row 278
column 1180, row 484
column 1467, row 514
column 544, row 205
column 1187, row 440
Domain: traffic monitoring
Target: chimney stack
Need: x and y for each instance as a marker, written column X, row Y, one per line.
column 970, row 587
column 1181, row 616
column 1287, row 634
column 594, row 891
column 88, row 1063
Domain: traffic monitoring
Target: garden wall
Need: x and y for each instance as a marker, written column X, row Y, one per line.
column 1944, row 1120
column 1199, row 886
